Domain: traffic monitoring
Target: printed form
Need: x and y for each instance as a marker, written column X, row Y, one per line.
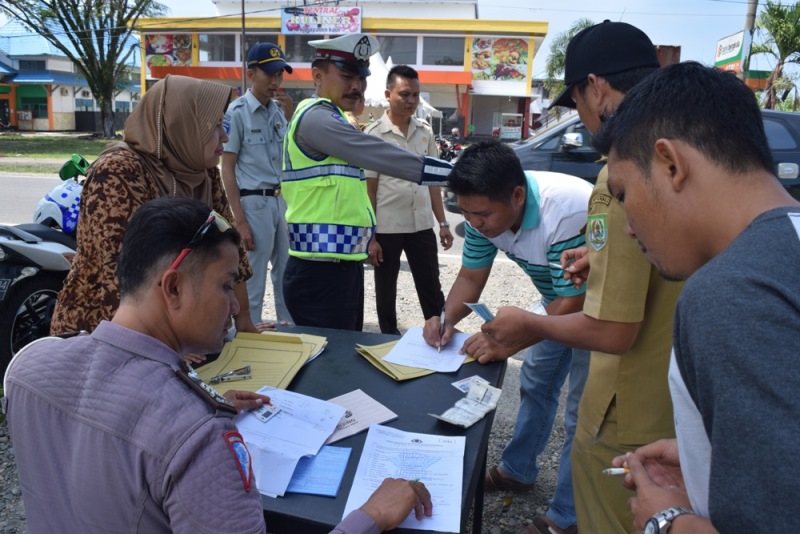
column 413, row 351
column 436, row 461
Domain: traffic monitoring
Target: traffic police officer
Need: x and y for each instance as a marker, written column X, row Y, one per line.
column 329, row 215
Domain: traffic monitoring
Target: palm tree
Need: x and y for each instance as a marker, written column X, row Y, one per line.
column 554, row 67
column 779, row 28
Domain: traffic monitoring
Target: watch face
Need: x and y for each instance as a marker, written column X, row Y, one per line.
column 651, row 527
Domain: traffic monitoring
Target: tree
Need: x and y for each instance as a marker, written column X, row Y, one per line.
column 779, row 28
column 554, row 67
column 94, row 34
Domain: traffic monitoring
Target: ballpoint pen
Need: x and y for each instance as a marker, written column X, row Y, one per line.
column 441, row 331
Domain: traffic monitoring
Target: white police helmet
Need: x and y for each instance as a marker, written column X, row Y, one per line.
column 60, row 207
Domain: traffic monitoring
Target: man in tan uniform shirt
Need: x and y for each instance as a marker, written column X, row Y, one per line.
column 403, row 209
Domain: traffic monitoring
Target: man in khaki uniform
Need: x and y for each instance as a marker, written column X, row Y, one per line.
column 627, row 315
column 403, row 209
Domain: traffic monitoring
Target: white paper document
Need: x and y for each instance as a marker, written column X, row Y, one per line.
column 436, row 461
column 412, row 351
column 299, row 429
column 362, row 411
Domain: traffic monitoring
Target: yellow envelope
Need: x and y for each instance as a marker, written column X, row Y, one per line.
column 272, row 363
column 375, row 354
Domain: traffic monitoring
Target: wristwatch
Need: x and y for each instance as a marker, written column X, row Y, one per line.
column 444, row 224
column 660, row 523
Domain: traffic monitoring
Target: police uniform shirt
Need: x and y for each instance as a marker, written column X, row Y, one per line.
column 108, row 438
column 403, row 207
column 323, row 132
column 256, row 137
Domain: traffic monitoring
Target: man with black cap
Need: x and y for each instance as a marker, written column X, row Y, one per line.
column 329, row 214
column 251, row 172
column 627, row 315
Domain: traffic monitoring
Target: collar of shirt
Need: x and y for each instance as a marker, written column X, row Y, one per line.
column 385, row 125
column 137, row 343
column 530, row 219
column 253, row 103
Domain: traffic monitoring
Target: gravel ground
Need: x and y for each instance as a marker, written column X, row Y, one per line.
column 505, row 512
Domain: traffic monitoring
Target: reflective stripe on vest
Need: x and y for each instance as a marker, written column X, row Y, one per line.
column 329, row 238
column 321, row 171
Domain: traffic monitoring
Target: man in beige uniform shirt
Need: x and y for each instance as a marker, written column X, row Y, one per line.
column 627, row 315
column 403, row 209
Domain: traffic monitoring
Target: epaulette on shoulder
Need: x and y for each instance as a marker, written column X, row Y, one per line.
column 206, row 392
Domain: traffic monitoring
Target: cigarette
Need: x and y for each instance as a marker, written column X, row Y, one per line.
column 616, row 471
column 556, row 265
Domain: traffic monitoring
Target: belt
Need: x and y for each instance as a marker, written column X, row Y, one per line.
column 260, row 192
column 331, row 260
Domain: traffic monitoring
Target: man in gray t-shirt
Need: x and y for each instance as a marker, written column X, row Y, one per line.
column 689, row 159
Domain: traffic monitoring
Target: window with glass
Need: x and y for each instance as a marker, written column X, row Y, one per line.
column 122, row 107
column 298, row 50
column 217, row 47
column 253, row 38
column 778, row 137
column 442, row 51
column 30, row 64
column 37, row 105
column 84, row 104
column 402, row 50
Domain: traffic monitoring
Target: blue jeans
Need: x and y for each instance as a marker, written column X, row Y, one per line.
column 544, row 370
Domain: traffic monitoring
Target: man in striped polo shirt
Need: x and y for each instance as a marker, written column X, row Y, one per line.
column 532, row 217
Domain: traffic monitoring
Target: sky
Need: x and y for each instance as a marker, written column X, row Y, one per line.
column 695, row 25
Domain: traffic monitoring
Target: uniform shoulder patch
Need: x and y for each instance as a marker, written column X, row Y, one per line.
column 241, row 456
column 597, row 226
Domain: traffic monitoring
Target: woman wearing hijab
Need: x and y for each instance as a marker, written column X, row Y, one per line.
column 171, row 145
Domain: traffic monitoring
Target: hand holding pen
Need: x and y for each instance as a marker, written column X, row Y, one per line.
column 441, row 331
column 437, row 332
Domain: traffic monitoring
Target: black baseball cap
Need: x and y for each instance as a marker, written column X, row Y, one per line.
column 603, row 49
column 267, row 57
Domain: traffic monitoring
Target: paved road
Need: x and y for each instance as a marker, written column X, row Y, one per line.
column 21, row 193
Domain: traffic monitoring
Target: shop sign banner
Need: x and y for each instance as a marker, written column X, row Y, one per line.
column 731, row 50
column 308, row 20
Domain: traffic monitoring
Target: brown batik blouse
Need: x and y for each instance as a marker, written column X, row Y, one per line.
column 117, row 185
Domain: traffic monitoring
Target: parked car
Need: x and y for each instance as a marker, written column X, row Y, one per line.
column 566, row 147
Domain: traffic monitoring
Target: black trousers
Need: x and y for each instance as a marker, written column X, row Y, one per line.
column 325, row 294
column 423, row 260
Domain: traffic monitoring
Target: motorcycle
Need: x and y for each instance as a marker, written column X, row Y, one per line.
column 34, row 261
column 448, row 149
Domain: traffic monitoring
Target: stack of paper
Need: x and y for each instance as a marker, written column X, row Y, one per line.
column 411, row 357
column 274, row 359
column 299, row 429
column 436, row 461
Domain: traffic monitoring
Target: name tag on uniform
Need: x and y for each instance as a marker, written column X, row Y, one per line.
column 255, row 130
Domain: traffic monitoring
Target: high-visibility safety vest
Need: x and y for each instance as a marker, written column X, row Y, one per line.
column 328, row 211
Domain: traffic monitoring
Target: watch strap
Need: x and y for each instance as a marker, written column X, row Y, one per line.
column 666, row 517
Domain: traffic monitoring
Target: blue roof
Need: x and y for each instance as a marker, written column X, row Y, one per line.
column 47, row 76
column 6, row 69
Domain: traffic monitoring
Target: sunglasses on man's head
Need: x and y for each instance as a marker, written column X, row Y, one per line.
column 214, row 219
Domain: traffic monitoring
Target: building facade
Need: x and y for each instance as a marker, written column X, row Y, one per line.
column 477, row 72
column 40, row 89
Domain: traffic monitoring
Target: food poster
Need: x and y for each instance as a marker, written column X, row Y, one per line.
column 167, row 49
column 499, row 64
